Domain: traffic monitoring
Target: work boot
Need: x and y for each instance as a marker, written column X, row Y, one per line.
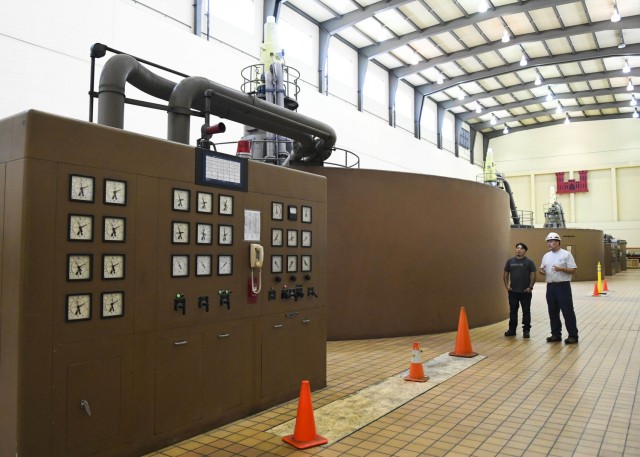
column 525, row 334
column 571, row 340
column 554, row 339
column 510, row 332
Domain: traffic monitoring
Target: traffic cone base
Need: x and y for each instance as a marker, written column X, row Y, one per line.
column 463, row 340
column 304, row 435
column 595, row 290
column 416, row 373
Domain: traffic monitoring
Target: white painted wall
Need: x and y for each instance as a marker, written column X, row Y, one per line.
column 608, row 150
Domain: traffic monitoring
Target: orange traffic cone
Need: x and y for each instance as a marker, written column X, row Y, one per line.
column 304, row 435
column 604, row 286
column 416, row 370
column 595, row 290
column 463, row 341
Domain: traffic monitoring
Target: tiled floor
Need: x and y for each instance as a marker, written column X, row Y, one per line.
column 527, row 398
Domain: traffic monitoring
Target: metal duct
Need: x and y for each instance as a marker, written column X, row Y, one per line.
column 512, row 203
column 315, row 139
column 119, row 70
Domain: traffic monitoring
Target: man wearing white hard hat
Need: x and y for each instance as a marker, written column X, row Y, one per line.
column 558, row 266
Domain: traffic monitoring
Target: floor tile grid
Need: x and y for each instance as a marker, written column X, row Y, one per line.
column 478, row 414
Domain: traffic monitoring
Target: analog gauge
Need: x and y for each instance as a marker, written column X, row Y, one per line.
column 306, row 214
column 225, row 205
column 179, row 266
column 114, row 229
column 80, row 227
column 79, row 267
column 205, row 202
column 115, row 192
column 292, row 238
column 277, row 236
column 292, row 263
column 225, row 265
column 78, row 307
column 81, row 188
column 204, row 233
column 305, row 236
column 203, row 265
column 292, row 212
column 112, row 305
column 180, row 232
column 277, row 211
column 113, row 266
column 225, row 235
column 276, row 264
column 305, row 263
column 181, row 199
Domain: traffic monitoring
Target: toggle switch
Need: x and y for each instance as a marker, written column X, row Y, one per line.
column 225, row 297
column 203, row 302
column 180, row 303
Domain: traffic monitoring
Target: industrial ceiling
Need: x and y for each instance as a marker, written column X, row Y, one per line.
column 498, row 63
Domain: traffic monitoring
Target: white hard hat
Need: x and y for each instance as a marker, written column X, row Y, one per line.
column 553, row 236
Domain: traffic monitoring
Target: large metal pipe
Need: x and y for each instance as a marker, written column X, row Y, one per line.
column 315, row 139
column 512, row 203
column 119, row 70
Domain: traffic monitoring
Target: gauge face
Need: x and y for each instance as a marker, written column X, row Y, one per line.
column 292, row 263
column 306, row 214
column 115, row 192
column 204, row 234
column 203, row 265
column 78, row 307
column 113, row 266
column 277, row 237
column 225, row 205
column 79, row 267
column 181, row 199
column 292, row 238
column 180, row 232
column 225, row 235
column 277, row 211
column 205, row 202
column 305, row 263
column 112, row 305
column 225, row 265
column 114, row 229
column 81, row 188
column 179, row 266
column 305, row 236
column 276, row 264
column 80, row 227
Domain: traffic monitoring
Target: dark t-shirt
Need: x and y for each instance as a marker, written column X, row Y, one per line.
column 519, row 272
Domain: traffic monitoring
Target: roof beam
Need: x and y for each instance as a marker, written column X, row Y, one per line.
column 333, row 26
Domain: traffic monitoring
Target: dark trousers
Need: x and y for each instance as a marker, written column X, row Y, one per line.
column 559, row 299
column 515, row 300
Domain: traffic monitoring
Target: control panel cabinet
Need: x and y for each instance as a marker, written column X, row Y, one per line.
column 151, row 290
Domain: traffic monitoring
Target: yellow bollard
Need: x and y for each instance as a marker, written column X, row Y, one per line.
column 599, row 278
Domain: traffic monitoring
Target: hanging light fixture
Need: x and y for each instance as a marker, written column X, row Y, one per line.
column 505, row 36
column 630, row 85
column 478, row 108
column 483, row 6
column 635, row 114
column 415, row 58
column 506, row 129
column 523, row 61
column 538, row 80
column 615, row 17
column 626, row 68
column 549, row 94
column 567, row 119
column 460, row 93
column 633, row 102
column 440, row 79
column 622, row 44
column 558, row 108
column 494, row 119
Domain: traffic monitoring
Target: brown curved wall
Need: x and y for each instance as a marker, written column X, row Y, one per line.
column 586, row 246
column 406, row 251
